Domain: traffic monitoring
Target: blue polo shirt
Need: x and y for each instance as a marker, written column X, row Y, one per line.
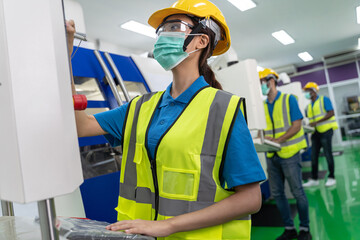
column 241, row 165
column 295, row 113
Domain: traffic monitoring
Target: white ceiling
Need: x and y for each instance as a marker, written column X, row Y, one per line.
column 320, row 27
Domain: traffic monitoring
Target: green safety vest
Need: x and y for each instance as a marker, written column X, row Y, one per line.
column 184, row 176
column 317, row 112
column 280, row 124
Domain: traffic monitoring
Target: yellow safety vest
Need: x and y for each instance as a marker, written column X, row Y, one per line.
column 184, row 176
column 280, row 124
column 317, row 112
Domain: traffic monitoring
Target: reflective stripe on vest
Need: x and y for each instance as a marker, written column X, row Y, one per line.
column 207, row 187
column 296, row 142
column 144, row 195
column 130, row 180
column 317, row 111
column 286, row 119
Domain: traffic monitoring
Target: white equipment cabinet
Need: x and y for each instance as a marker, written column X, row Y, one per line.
column 155, row 76
column 242, row 79
column 39, row 154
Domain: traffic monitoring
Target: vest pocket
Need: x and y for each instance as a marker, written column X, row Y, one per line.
column 179, row 183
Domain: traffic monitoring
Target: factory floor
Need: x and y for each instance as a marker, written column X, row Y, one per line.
column 335, row 211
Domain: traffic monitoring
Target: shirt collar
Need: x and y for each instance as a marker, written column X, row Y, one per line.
column 186, row 96
column 276, row 98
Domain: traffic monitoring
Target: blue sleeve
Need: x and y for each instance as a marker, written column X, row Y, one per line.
column 242, row 165
column 327, row 104
column 112, row 122
column 295, row 113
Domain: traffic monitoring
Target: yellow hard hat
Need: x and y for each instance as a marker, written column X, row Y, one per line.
column 311, row 85
column 198, row 8
column 266, row 72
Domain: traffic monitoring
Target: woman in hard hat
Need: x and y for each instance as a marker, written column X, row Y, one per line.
column 189, row 168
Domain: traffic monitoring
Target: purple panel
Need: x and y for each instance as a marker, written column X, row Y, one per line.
column 318, row 77
column 312, row 66
column 343, row 72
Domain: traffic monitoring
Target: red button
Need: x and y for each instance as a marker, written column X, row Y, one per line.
column 80, row 102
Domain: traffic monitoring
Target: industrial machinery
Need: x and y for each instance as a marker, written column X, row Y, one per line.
column 242, row 79
column 39, row 157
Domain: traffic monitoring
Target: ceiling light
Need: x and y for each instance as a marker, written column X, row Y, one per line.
column 305, row 56
column 259, row 69
column 139, row 28
column 243, row 5
column 358, row 14
column 283, row 37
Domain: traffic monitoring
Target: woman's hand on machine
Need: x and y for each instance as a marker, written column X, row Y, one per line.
column 138, row 226
column 70, row 32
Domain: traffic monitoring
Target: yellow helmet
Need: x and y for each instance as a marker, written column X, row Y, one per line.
column 266, row 72
column 311, row 85
column 199, row 8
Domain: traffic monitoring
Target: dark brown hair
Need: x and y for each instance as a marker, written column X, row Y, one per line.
column 204, row 68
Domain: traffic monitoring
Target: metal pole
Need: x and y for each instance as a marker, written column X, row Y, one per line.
column 117, row 75
column 108, row 77
column 262, row 136
column 47, row 217
column 332, row 98
column 7, row 208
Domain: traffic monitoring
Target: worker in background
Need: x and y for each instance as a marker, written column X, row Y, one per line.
column 321, row 116
column 189, row 167
column 284, row 126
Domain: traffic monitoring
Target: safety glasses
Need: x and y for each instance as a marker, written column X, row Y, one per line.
column 174, row 26
column 269, row 77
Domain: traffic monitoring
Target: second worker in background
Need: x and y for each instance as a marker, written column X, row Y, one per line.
column 321, row 116
column 284, row 126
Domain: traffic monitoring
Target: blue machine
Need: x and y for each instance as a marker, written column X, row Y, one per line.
column 100, row 194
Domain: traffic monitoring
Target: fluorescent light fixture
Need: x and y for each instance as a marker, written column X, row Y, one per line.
column 139, row 28
column 358, row 14
column 305, row 56
column 259, row 69
column 243, row 5
column 283, row 37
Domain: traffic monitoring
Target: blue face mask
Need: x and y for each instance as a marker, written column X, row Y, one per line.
column 307, row 95
column 265, row 89
column 168, row 49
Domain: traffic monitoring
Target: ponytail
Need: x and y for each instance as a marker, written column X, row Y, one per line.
column 204, row 68
column 209, row 75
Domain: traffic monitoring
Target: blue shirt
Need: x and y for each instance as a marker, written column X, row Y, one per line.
column 327, row 103
column 241, row 165
column 295, row 113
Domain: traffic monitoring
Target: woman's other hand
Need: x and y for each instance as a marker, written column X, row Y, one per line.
column 144, row 227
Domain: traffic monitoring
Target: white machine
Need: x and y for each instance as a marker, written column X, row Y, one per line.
column 39, row 154
column 242, row 79
column 155, row 75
